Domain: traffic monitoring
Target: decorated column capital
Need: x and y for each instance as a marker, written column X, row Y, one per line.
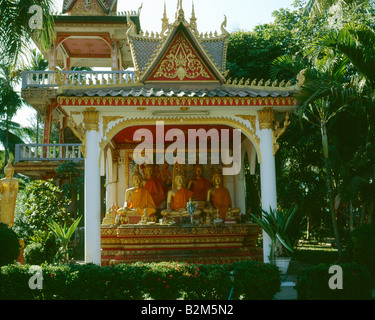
column 91, row 119
column 266, row 118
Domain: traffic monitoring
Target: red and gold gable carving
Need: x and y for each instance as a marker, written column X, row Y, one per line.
column 181, row 63
column 90, row 7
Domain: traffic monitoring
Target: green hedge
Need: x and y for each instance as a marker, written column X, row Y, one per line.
column 312, row 283
column 158, row 281
column 9, row 245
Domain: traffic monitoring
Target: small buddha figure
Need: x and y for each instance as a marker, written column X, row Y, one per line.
column 178, row 198
column 9, row 190
column 219, row 200
column 199, row 185
column 138, row 199
column 154, row 185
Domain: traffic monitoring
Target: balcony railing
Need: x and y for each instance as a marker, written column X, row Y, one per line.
column 51, row 79
column 48, row 152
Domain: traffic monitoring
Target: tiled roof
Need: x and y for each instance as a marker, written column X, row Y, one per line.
column 225, row 91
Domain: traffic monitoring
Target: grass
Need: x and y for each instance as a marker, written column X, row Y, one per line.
column 314, row 253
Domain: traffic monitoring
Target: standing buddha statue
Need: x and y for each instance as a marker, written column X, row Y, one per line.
column 9, row 190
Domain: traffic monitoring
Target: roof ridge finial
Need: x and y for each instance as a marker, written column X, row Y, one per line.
column 193, row 20
column 180, row 14
column 165, row 21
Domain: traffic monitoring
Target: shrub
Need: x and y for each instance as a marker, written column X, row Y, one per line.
column 41, row 250
column 361, row 246
column 45, row 201
column 312, row 283
column 255, row 280
column 161, row 281
column 206, row 282
column 14, row 280
column 9, row 245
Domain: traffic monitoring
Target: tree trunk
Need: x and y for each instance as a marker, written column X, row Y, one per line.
column 329, row 187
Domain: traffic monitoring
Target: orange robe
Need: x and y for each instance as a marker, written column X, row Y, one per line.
column 221, row 200
column 141, row 199
column 155, row 187
column 200, row 188
column 180, row 199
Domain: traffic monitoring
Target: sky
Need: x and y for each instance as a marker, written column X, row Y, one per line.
column 241, row 15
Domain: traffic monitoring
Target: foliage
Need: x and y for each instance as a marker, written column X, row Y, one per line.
column 9, row 245
column 167, row 281
column 275, row 223
column 312, row 283
column 45, row 201
column 70, row 171
column 63, row 236
column 15, row 30
column 255, row 280
column 40, row 251
column 206, row 282
column 162, row 281
column 361, row 246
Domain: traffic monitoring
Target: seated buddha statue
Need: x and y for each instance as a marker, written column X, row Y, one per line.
column 219, row 202
column 178, row 199
column 199, row 185
column 138, row 199
column 154, row 185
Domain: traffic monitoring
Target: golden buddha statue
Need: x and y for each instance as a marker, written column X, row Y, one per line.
column 199, row 184
column 138, row 200
column 110, row 217
column 9, row 190
column 219, row 201
column 178, row 199
column 154, row 185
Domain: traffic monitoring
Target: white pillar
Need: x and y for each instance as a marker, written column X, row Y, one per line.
column 267, row 171
column 92, row 191
column 239, row 189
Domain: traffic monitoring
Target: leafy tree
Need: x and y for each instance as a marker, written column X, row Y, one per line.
column 15, row 30
column 45, row 201
column 11, row 133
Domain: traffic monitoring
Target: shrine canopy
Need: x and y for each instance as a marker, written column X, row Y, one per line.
column 179, row 66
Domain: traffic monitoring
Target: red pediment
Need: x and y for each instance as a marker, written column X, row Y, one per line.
column 181, row 62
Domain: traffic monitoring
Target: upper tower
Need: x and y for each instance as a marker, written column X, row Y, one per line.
column 89, row 7
column 179, row 53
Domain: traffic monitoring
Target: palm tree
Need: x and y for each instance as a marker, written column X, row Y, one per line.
column 321, row 7
column 11, row 133
column 326, row 93
column 15, row 30
column 357, row 43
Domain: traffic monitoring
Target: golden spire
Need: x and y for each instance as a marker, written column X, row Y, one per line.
column 165, row 21
column 180, row 14
column 193, row 20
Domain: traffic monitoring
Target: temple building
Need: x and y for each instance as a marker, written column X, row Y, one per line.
column 167, row 83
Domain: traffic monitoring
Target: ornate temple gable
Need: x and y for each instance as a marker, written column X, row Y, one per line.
column 89, row 7
column 181, row 62
column 179, row 53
